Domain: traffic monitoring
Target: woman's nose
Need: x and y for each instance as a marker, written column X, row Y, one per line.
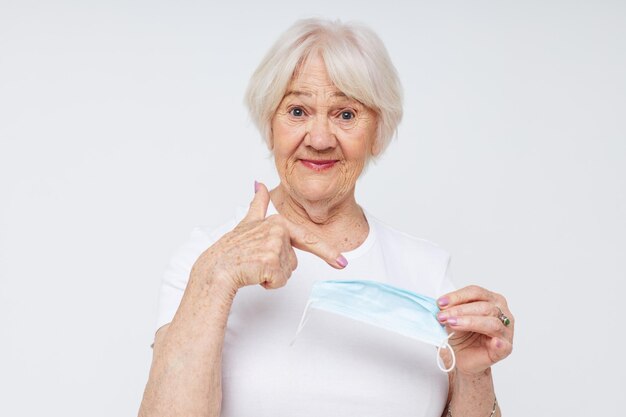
column 320, row 135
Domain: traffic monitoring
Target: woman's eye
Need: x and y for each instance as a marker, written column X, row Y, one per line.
column 296, row 111
column 347, row 115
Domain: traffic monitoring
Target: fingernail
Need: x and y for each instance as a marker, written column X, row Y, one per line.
column 442, row 316
column 451, row 320
column 498, row 343
column 256, row 187
column 443, row 301
column 342, row 261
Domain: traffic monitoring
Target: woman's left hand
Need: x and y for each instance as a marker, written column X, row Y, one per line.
column 482, row 333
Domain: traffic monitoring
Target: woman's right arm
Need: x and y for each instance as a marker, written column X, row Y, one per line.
column 185, row 376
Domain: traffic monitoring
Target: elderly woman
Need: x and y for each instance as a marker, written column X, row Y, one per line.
column 327, row 99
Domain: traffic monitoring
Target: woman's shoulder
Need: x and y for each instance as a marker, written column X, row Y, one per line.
column 417, row 263
column 389, row 235
column 200, row 238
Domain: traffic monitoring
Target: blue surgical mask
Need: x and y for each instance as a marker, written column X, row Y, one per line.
column 385, row 306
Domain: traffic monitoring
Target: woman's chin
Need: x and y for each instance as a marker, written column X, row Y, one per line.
column 317, row 191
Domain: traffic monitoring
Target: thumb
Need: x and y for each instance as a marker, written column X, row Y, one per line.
column 258, row 206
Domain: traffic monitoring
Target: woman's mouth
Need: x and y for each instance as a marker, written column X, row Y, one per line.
column 318, row 165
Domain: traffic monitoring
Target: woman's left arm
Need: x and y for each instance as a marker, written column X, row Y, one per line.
column 483, row 328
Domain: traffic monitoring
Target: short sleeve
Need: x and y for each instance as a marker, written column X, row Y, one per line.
column 176, row 275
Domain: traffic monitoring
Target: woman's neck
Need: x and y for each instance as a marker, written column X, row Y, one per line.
column 343, row 224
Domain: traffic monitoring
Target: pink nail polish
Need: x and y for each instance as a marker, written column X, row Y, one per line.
column 452, row 321
column 342, row 261
column 442, row 317
column 256, row 187
column 443, row 301
column 498, row 343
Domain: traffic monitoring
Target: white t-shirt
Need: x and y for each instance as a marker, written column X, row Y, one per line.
column 338, row 366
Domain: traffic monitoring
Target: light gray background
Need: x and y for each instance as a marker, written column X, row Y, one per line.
column 122, row 127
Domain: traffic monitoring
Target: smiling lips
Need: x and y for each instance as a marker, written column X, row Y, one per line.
column 318, row 165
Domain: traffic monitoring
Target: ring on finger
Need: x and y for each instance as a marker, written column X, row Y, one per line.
column 503, row 318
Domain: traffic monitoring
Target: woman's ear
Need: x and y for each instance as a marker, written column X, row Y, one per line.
column 375, row 147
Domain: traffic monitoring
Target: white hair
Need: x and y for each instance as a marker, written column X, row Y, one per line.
column 357, row 63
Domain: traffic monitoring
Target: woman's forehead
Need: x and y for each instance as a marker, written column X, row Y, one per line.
column 312, row 88
column 307, row 92
column 311, row 81
column 312, row 74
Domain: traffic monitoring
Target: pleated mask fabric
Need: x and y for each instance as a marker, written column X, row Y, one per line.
column 382, row 305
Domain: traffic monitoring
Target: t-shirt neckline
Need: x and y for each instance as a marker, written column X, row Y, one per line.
column 359, row 250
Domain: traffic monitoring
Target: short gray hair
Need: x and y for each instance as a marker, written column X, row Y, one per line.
column 357, row 63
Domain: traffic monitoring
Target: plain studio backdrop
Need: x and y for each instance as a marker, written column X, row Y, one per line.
column 122, row 127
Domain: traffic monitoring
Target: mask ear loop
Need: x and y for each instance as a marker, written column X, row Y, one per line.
column 446, row 345
column 303, row 321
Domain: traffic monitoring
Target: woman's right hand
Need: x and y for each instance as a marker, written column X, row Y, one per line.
column 259, row 250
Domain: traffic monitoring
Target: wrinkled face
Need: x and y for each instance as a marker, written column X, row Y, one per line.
column 321, row 139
